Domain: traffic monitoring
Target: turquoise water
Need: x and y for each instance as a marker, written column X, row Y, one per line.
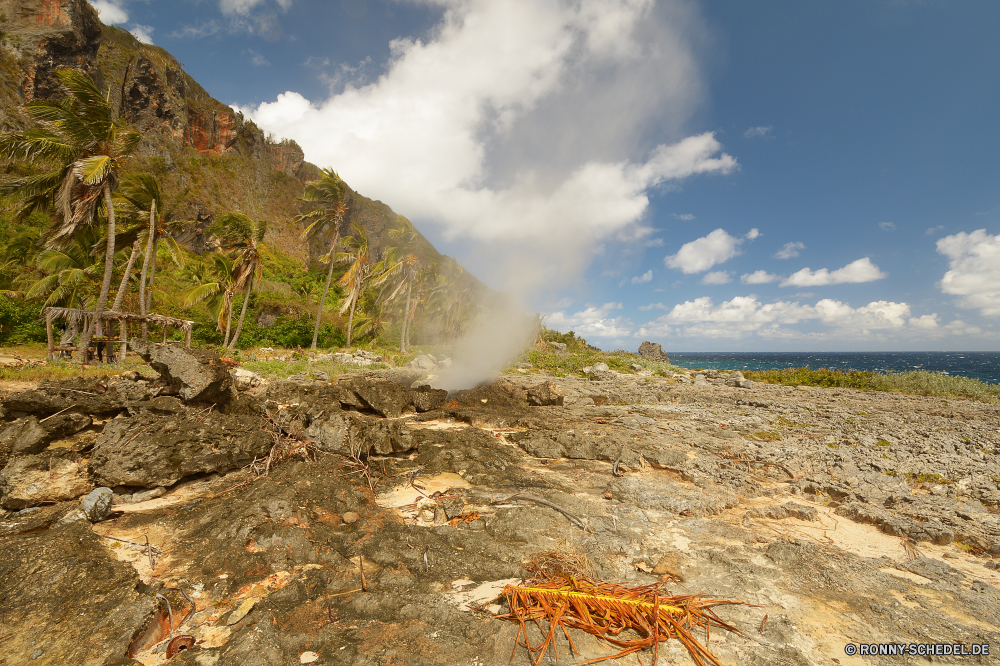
column 984, row 366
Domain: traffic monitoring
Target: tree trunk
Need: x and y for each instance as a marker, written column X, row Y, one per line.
column 243, row 313
column 150, row 242
column 350, row 321
column 229, row 322
column 128, row 271
column 326, row 288
column 152, row 273
column 406, row 318
column 109, row 259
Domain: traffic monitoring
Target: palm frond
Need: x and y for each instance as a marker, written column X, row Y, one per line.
column 92, row 170
column 605, row 610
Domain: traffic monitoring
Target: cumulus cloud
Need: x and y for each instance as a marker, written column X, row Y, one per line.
column 490, row 127
column 862, row 270
column 701, row 254
column 593, row 321
column 144, row 33
column 644, row 278
column 257, row 59
column 759, row 277
column 925, row 322
column 745, row 315
column 757, row 132
column 110, row 12
column 717, row 277
column 789, row 250
column 652, row 306
column 974, row 270
column 886, row 226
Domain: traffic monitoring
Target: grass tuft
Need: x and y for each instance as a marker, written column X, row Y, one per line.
column 918, row 382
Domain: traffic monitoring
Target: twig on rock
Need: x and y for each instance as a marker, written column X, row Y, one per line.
column 544, row 502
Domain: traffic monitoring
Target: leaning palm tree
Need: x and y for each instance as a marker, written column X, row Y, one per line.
column 242, row 235
column 71, row 273
column 327, row 194
column 141, row 195
column 87, row 148
column 406, row 236
column 365, row 270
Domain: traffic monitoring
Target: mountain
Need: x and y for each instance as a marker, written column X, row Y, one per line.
column 191, row 140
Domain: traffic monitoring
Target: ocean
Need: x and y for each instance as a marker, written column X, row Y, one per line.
column 984, row 366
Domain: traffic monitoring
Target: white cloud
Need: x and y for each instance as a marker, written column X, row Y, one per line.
column 242, row 7
column 757, row 132
column 745, row 315
column 144, row 33
column 205, row 29
column 654, row 242
column 759, row 277
column 652, row 306
column 974, row 270
column 789, row 250
column 701, row 254
column 592, row 321
column 490, row 128
column 717, row 277
column 925, row 322
column 110, row 12
column 687, row 217
column 257, row 59
column 862, row 270
column 644, row 278
column 934, row 230
column 886, row 226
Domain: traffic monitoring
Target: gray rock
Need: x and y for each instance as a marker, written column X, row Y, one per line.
column 23, row 437
column 599, row 372
column 320, row 376
column 423, row 362
column 355, row 435
column 653, row 351
column 97, row 505
column 545, row 394
column 426, row 398
column 149, row 450
column 246, row 379
column 197, row 375
column 559, row 347
column 145, row 495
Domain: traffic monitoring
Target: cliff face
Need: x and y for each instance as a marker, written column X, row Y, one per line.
column 48, row 34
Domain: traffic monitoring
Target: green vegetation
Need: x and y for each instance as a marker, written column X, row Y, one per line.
column 767, row 435
column 882, row 442
column 918, row 382
column 579, row 355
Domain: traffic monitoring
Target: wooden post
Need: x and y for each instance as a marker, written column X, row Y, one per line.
column 187, row 336
column 48, row 335
column 123, row 337
column 164, row 332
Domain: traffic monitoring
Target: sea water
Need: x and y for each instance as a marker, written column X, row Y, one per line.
column 984, row 366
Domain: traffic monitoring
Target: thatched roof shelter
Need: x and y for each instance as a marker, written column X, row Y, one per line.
column 82, row 318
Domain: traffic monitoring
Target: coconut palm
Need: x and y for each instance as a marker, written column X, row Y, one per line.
column 242, row 235
column 88, row 148
column 71, row 273
column 141, row 195
column 406, row 236
column 365, row 270
column 327, row 194
column 215, row 286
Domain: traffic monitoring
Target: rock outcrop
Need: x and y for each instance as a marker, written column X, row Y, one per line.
column 653, row 351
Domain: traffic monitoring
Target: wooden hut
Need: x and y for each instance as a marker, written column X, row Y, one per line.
column 80, row 320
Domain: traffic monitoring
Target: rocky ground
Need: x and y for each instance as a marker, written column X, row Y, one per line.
column 355, row 521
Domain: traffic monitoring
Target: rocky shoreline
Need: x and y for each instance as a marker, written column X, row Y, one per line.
column 355, row 521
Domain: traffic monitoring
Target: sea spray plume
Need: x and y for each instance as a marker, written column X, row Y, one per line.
column 502, row 330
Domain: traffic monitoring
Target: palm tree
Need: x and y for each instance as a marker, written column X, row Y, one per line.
column 71, row 272
column 216, row 287
column 89, row 148
column 364, row 271
column 406, row 235
column 327, row 194
column 243, row 236
column 142, row 193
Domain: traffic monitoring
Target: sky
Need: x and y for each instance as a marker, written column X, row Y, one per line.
column 713, row 176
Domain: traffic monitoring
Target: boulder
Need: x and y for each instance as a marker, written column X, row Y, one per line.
column 426, row 398
column 245, row 379
column 97, row 504
column 32, row 480
column 384, row 397
column 545, row 394
column 80, row 395
column 653, row 351
column 423, row 362
column 197, row 375
column 600, row 372
column 66, row 424
column 23, row 436
column 355, row 435
column 149, row 450
column 558, row 347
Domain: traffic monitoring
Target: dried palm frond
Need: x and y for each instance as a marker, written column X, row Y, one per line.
column 910, row 548
column 605, row 610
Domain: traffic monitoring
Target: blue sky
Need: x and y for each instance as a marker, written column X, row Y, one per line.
column 713, row 175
